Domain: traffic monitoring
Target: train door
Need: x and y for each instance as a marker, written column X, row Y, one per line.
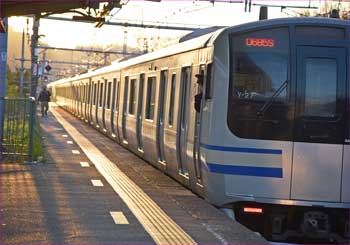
column 96, row 89
column 84, row 102
column 113, row 111
column 103, row 106
column 160, row 118
column 346, row 159
column 182, row 126
column 139, row 113
column 125, row 102
column 319, row 124
column 116, row 111
column 90, row 100
column 82, row 93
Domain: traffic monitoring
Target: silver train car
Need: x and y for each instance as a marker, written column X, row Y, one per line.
column 254, row 118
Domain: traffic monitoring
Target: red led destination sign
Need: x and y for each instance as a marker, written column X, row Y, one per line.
column 260, row 42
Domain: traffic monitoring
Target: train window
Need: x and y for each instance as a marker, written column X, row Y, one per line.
column 313, row 32
column 88, row 94
column 78, row 97
column 83, row 93
column 258, row 95
column 132, row 96
column 172, row 100
column 101, row 95
column 116, row 91
column 118, row 96
column 150, row 98
column 320, row 87
column 95, row 94
column 208, row 88
column 108, row 102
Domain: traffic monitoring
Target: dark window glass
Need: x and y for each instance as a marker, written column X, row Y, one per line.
column 258, row 96
column 185, row 84
column 162, row 94
column 320, row 87
column 329, row 33
column 95, row 93
column 150, row 98
column 88, row 99
column 109, row 89
column 132, row 97
column 83, row 93
column 172, row 99
column 101, row 95
column 208, row 90
column 118, row 96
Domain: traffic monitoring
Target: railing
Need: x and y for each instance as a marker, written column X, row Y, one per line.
column 17, row 129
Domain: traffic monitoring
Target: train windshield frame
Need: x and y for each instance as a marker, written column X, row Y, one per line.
column 271, row 94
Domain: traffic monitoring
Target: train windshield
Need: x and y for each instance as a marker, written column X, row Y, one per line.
column 259, row 87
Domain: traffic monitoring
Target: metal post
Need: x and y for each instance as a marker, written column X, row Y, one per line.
column 22, row 69
column 32, row 107
column 34, row 52
column 3, row 68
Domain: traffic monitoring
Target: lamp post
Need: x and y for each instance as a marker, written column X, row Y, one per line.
column 3, row 67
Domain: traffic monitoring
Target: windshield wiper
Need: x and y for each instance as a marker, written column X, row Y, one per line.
column 269, row 102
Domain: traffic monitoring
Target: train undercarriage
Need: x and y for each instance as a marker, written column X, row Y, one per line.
column 297, row 224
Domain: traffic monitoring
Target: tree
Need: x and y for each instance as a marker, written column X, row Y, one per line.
column 12, row 82
column 326, row 9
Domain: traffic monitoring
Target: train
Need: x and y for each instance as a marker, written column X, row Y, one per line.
column 254, row 118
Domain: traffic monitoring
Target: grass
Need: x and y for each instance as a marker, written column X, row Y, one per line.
column 16, row 133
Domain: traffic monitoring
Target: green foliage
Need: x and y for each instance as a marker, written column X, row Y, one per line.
column 12, row 82
column 16, row 133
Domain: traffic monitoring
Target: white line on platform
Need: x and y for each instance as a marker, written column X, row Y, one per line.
column 119, row 218
column 65, row 136
column 70, row 142
column 84, row 164
column 76, row 152
column 96, row 182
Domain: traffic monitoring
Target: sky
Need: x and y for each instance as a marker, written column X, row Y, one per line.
column 69, row 35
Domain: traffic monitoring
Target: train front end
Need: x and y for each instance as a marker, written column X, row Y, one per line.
column 277, row 141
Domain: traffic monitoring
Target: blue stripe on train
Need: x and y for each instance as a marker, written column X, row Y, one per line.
column 246, row 170
column 242, row 149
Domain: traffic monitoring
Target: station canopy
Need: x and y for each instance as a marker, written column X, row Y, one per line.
column 10, row 8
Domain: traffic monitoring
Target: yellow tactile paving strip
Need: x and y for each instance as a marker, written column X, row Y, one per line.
column 155, row 221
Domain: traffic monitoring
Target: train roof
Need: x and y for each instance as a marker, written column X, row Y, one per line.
column 290, row 21
column 206, row 40
column 195, row 43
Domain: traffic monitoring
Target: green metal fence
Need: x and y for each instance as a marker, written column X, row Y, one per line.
column 17, row 129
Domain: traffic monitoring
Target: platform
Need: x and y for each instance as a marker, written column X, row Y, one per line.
column 93, row 191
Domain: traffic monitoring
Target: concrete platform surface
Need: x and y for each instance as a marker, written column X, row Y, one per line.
column 63, row 201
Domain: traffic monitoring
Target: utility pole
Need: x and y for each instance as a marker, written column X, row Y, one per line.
column 22, row 69
column 3, row 67
column 34, row 53
column 125, row 42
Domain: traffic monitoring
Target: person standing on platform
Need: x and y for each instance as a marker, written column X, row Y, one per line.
column 44, row 99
